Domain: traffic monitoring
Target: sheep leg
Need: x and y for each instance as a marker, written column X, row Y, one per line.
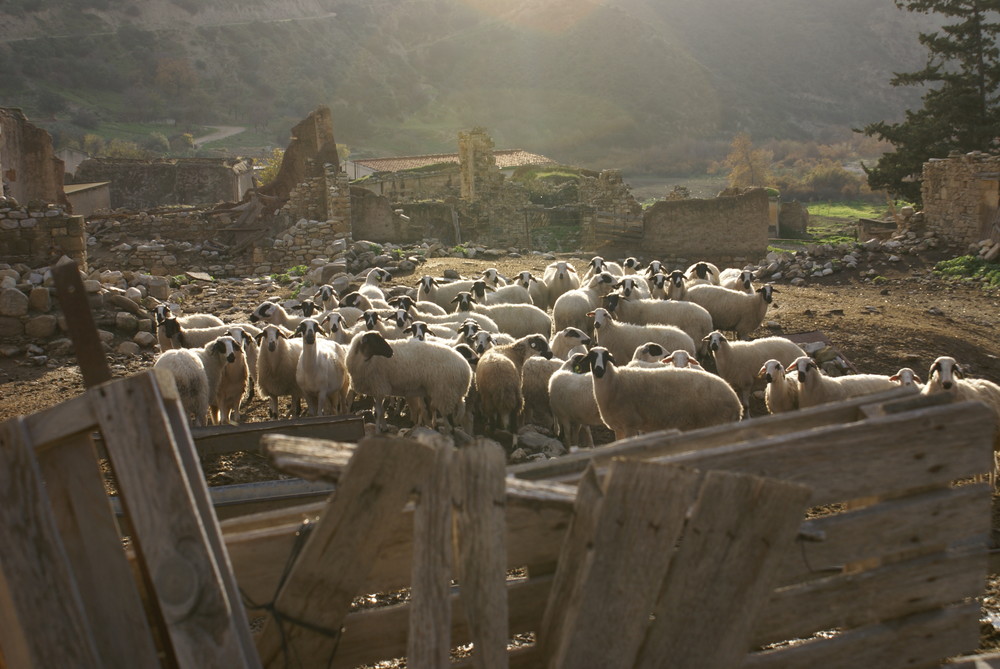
column 589, row 441
column 272, row 407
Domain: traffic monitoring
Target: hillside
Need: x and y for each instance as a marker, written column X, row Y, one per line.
column 577, row 80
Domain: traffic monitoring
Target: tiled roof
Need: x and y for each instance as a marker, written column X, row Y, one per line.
column 505, row 159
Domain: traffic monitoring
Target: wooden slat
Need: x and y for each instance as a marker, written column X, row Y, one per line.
column 169, row 530
column 429, row 638
column 921, row 640
column 875, row 457
column 100, row 568
column 227, row 439
column 479, row 500
column 340, row 550
column 80, row 323
column 379, row 634
column 42, row 621
column 569, row 467
column 66, row 419
column 865, row 598
column 641, row 517
column 311, row 459
column 985, row 661
column 722, row 573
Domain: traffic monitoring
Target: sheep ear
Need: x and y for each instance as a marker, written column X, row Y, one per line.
column 958, row 371
column 259, row 337
column 762, row 372
column 590, row 314
column 455, row 299
column 667, row 361
column 894, row 377
column 219, row 347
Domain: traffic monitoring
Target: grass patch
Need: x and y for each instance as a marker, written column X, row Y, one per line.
column 846, row 210
column 970, row 268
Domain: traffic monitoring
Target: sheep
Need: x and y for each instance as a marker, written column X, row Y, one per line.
column 418, row 309
column 271, row 312
column 621, row 339
column 572, row 403
column 321, row 371
column 536, row 289
column 430, row 289
column 512, row 294
column 493, row 277
column 946, row 375
column 277, row 361
column 161, row 312
column 559, row 277
column 782, row 393
column 224, row 407
column 653, row 268
column 658, row 286
column 246, row 341
column 737, row 279
column 568, row 341
column 676, row 286
column 336, row 330
column 652, row 354
column 731, row 309
column 907, row 378
column 631, row 264
column 681, row 359
column 517, row 320
column 483, row 341
column 599, row 265
column 739, row 362
column 364, row 302
column 702, row 273
column 637, row 399
column 633, row 285
column 327, row 297
column 818, row 388
column 498, row 379
column 197, row 373
column 372, row 286
column 693, row 318
column 535, row 375
column 197, row 337
column 472, row 398
column 572, row 307
column 456, row 320
column 425, row 373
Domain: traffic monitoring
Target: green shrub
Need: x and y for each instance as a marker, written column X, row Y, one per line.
column 970, row 268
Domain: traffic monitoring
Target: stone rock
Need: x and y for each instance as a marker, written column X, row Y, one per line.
column 60, row 347
column 10, row 351
column 144, row 339
column 105, row 336
column 451, row 274
column 539, row 443
column 992, row 254
column 124, row 303
column 126, row 323
column 518, row 456
column 41, row 327
column 39, row 299
column 13, row 302
column 11, row 327
column 128, row 348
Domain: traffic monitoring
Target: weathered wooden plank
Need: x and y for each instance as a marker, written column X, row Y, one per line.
column 912, row 525
column 865, row 598
column 429, row 638
column 877, row 457
column 239, row 623
column 572, row 559
column 379, row 634
column 479, row 500
column 66, row 419
column 340, row 550
column 985, row 661
column 641, row 517
column 723, row 571
column 921, row 640
column 42, row 620
column 247, row 437
column 310, row 459
column 80, row 323
column 169, row 530
column 98, row 563
column 569, row 467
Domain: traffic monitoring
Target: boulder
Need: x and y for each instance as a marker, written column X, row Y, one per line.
column 41, row 327
column 39, row 299
column 13, row 302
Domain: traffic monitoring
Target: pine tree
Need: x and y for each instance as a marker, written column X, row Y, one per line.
column 961, row 111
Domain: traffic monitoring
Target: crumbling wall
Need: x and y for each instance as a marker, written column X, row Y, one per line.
column 147, row 184
column 29, row 168
column 793, row 219
column 477, row 164
column 610, row 195
column 311, row 149
column 729, row 230
column 961, row 195
column 40, row 236
column 410, row 186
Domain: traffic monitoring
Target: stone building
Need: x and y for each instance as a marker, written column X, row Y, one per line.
column 961, row 197
column 29, row 168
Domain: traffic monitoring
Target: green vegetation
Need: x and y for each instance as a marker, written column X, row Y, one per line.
column 289, row 275
column 846, row 210
column 459, row 249
column 970, row 268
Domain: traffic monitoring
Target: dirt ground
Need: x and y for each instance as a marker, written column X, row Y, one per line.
column 907, row 320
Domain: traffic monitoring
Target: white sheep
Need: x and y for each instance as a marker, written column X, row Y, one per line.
column 652, row 354
column 631, row 265
column 535, row 375
column 197, row 373
column 621, row 339
column 782, row 392
column 658, row 286
column 440, row 292
column 653, row 268
column 815, row 387
column 638, row 399
column 572, row 403
column 702, row 273
column 739, row 362
column 372, row 286
column 493, row 277
column 731, row 309
column 907, row 378
column 498, row 379
column 161, row 312
column 559, row 277
column 676, row 286
column 224, row 407
column 947, row 376
column 482, row 341
column 182, row 337
column 568, row 341
column 364, row 302
column 327, row 296
column 425, row 373
column 418, row 309
column 633, row 286
column 485, row 293
column 277, row 361
column 536, row 289
column 599, row 265
column 517, row 320
column 693, row 318
column 572, row 307
column 272, row 312
column 321, row 372
column 737, row 279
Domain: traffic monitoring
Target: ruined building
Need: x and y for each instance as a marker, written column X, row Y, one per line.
column 961, row 197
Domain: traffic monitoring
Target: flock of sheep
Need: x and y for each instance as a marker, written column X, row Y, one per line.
column 617, row 346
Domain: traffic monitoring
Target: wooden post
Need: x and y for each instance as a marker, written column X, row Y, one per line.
column 341, row 549
column 479, row 498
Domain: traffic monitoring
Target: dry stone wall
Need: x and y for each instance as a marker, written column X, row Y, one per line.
column 961, row 195
column 40, row 236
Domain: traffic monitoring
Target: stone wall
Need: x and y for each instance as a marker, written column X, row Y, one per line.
column 147, row 184
column 40, row 236
column 478, row 165
column 410, row 186
column 961, row 195
column 29, row 168
column 727, row 230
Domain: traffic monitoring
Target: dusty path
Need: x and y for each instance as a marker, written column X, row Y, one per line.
column 221, row 132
